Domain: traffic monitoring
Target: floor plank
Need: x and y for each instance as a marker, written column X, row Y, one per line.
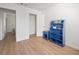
column 33, row 46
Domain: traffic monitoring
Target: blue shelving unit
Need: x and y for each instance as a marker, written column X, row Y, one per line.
column 56, row 32
column 46, row 35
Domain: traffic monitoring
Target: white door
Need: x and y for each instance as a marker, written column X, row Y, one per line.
column 32, row 24
column 11, row 22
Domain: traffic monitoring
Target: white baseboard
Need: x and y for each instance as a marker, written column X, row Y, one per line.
column 73, row 46
column 17, row 40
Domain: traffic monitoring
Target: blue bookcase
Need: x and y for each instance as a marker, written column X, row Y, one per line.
column 56, row 32
column 46, row 35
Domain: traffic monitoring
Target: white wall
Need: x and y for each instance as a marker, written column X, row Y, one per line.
column 22, row 20
column 70, row 13
column 40, row 24
column 1, row 26
column 4, row 24
column 10, row 22
column 32, row 24
column 39, row 21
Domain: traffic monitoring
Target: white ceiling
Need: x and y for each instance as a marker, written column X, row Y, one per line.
column 38, row 6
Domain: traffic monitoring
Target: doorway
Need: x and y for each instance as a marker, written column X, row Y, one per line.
column 33, row 24
column 8, row 24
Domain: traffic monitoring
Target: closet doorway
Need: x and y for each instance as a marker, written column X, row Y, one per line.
column 32, row 25
column 8, row 25
column 11, row 27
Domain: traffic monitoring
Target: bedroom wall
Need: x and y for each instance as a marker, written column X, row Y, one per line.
column 22, row 20
column 1, row 25
column 70, row 13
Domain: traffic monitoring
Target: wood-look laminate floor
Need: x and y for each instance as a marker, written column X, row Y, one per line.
column 33, row 46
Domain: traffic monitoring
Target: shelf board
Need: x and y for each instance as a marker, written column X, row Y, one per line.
column 56, row 38
column 57, row 34
column 60, row 44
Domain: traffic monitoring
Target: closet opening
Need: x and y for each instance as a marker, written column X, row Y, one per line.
column 32, row 25
column 8, row 25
